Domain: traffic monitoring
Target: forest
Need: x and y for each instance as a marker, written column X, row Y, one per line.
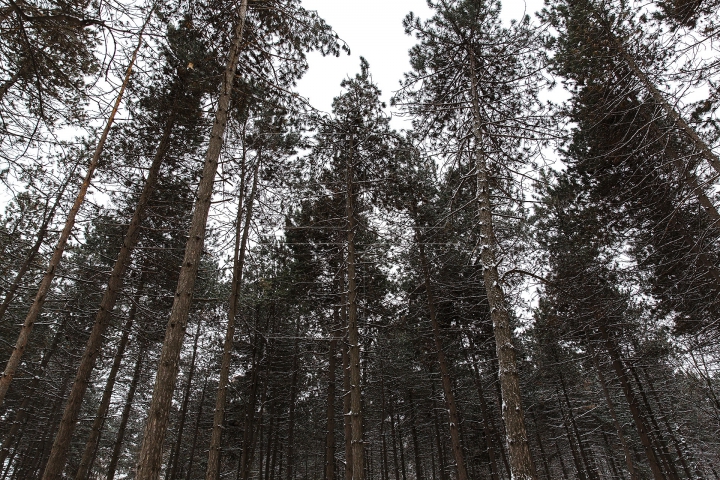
column 203, row 276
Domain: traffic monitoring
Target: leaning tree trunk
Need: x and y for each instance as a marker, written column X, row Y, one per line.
column 347, row 423
column 330, row 415
column 58, row 456
column 191, row 454
column 613, row 415
column 656, row 94
column 634, row 404
column 521, row 464
column 39, row 239
column 444, row 370
column 150, row 457
column 22, row 413
column 241, row 239
column 92, row 444
column 117, row 448
column 172, row 471
column 47, row 279
column 358, row 447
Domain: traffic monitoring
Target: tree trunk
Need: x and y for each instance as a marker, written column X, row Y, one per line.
column 576, row 431
column 613, row 415
column 521, row 463
column 42, row 232
column 150, row 457
column 291, row 413
column 196, row 431
column 666, row 422
column 47, row 279
column 173, row 470
column 21, row 415
column 487, row 427
column 58, row 456
column 332, row 366
column 575, row 455
column 117, row 448
column 346, row 411
column 442, row 360
column 633, row 403
column 660, row 442
column 242, row 233
column 91, row 446
column 416, row 444
column 358, row 447
column 543, row 456
column 673, row 114
column 438, row 441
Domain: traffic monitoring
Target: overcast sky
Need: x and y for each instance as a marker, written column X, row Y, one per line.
column 372, row 29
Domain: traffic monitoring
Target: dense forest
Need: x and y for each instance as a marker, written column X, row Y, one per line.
column 202, row 276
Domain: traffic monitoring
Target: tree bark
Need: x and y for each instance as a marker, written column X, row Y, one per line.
column 58, row 456
column 291, row 412
column 150, row 457
column 487, row 427
column 521, row 463
column 419, row 474
column 173, row 470
column 613, row 415
column 575, row 455
column 91, row 446
column 21, row 415
column 49, row 275
column 358, row 448
column 634, row 405
column 332, row 366
column 442, row 360
column 583, row 454
column 241, row 238
column 117, row 448
column 196, row 431
column 347, row 425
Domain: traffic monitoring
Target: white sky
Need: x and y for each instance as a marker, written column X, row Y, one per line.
column 372, row 29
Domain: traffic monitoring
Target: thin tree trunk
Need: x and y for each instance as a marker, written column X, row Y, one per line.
column 543, row 456
column 660, row 442
column 196, row 431
column 291, row 413
column 346, row 410
column 613, row 415
column 575, row 455
column 150, row 457
column 438, row 440
column 358, row 448
column 666, row 422
column 634, row 405
column 673, row 114
column 21, row 415
column 416, row 444
column 562, row 464
column 583, row 454
column 241, row 239
column 487, row 427
column 58, row 456
column 91, row 446
column 47, row 279
column 332, row 366
column 521, row 463
column 42, row 233
column 117, row 448
column 442, row 360
column 173, row 470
